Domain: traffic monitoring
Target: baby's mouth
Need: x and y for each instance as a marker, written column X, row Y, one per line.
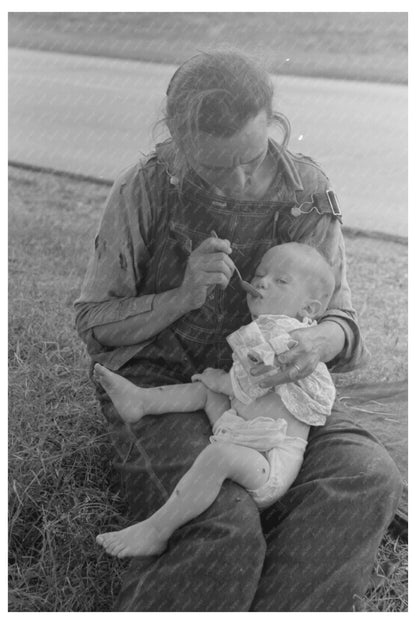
column 253, row 299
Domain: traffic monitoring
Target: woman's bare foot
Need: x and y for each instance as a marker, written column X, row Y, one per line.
column 140, row 540
column 127, row 398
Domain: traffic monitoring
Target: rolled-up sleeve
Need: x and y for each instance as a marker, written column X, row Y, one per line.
column 111, row 287
column 324, row 232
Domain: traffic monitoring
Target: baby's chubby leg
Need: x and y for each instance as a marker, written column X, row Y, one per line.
column 195, row 492
column 133, row 402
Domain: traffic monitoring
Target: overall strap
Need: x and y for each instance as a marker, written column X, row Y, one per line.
column 324, row 202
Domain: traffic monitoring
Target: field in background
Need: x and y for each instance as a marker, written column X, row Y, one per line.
column 61, row 491
column 358, row 46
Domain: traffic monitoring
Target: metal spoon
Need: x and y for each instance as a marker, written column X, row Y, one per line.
column 244, row 285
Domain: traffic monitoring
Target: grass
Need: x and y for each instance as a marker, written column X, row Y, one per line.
column 358, row 46
column 61, row 490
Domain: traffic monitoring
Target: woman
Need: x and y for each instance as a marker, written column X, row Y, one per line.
column 158, row 300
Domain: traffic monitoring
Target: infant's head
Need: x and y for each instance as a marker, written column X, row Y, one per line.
column 295, row 280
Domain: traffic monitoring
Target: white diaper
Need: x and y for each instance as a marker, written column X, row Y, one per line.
column 268, row 436
column 285, row 462
column 261, row 433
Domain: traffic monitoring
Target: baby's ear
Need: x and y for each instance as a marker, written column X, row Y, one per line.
column 312, row 309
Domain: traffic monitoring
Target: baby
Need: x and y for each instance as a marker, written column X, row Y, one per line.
column 259, row 435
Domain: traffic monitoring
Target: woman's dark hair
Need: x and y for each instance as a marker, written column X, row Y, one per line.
column 217, row 93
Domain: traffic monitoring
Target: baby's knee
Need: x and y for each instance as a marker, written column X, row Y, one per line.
column 219, row 461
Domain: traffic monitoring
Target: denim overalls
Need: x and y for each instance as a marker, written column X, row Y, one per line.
column 197, row 340
column 313, row 550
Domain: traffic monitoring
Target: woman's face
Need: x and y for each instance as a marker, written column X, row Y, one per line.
column 231, row 164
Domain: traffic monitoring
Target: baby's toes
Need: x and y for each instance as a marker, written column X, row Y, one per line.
column 115, row 548
column 107, row 539
column 123, row 552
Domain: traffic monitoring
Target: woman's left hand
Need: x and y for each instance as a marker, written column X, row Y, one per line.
column 310, row 346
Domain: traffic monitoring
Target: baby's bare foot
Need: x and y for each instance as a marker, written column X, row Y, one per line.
column 127, row 398
column 140, row 540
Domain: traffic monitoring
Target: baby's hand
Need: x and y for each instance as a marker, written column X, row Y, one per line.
column 213, row 378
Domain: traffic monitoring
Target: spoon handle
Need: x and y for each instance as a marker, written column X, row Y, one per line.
column 244, row 285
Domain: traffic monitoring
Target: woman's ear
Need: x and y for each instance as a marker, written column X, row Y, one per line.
column 312, row 309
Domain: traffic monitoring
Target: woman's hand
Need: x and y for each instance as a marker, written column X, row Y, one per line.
column 311, row 345
column 208, row 265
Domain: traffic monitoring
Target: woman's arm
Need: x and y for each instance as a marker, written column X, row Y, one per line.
column 165, row 309
column 110, row 310
column 327, row 339
column 132, row 320
column 207, row 266
column 326, row 235
column 336, row 340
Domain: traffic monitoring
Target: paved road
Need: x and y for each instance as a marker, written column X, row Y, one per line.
column 94, row 116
